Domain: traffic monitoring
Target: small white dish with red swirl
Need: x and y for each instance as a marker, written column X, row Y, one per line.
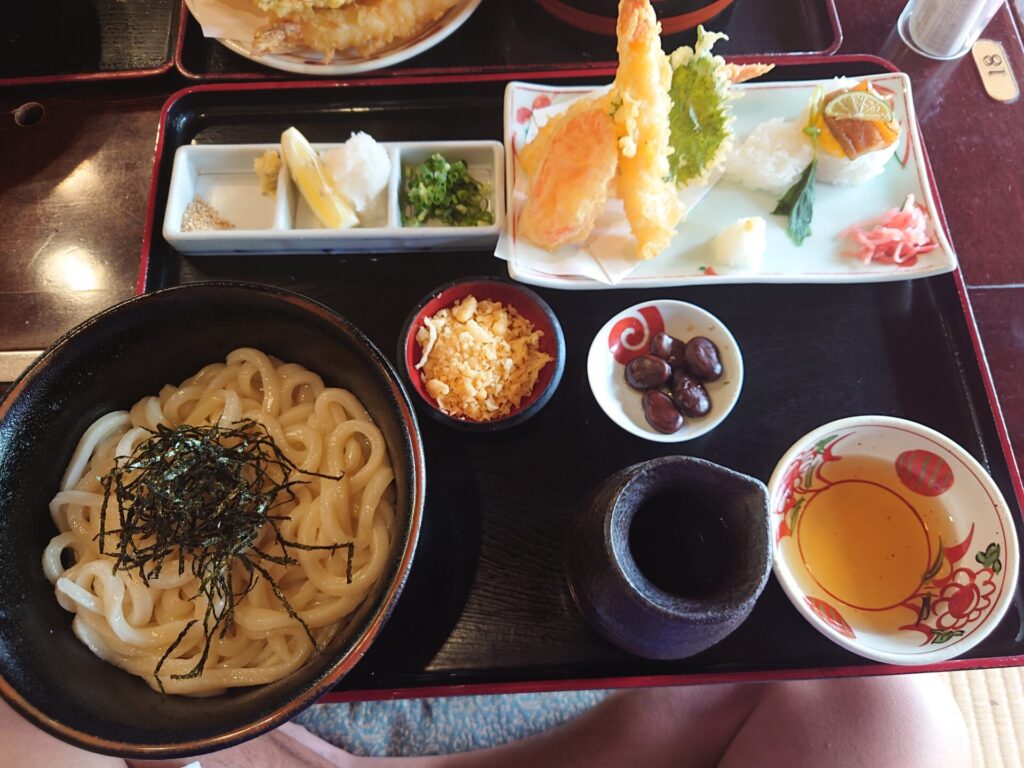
column 628, row 335
column 892, row 540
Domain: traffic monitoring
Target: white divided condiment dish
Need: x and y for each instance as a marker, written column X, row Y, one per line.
column 629, row 334
column 224, row 177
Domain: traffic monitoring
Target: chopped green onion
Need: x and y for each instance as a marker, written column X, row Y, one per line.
column 443, row 191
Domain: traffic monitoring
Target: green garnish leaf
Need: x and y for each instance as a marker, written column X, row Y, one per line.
column 445, row 192
column 203, row 498
column 798, row 204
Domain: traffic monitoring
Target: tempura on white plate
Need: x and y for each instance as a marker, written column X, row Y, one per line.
column 671, row 121
column 331, row 26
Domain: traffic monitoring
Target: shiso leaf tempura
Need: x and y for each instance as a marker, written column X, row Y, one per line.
column 700, row 120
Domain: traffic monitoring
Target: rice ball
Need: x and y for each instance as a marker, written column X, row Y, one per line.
column 772, row 157
column 361, row 168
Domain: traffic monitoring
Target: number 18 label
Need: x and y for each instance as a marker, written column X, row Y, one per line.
column 994, row 68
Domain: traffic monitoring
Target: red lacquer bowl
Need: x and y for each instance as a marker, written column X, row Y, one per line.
column 528, row 304
column 598, row 16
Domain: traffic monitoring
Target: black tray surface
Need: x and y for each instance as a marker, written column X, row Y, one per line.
column 504, row 35
column 487, row 602
column 76, row 38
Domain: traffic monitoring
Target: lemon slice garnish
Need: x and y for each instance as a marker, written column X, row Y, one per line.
column 859, row 105
column 315, row 183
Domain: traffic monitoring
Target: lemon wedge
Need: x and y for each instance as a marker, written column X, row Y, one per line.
column 859, row 105
column 315, row 183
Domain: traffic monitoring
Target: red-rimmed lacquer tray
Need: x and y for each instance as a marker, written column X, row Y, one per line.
column 518, row 36
column 76, row 40
column 487, row 607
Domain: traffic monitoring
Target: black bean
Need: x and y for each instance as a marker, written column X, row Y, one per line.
column 689, row 395
column 661, row 413
column 670, row 349
column 647, row 372
column 702, row 359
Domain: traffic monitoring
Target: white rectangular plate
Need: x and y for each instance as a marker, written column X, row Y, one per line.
column 223, row 176
column 688, row 260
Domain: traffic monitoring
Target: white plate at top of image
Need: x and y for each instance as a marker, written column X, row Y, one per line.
column 688, row 259
column 629, row 334
column 233, row 23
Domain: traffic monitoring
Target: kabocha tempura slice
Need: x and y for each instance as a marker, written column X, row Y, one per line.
column 531, row 155
column 569, row 187
column 641, row 92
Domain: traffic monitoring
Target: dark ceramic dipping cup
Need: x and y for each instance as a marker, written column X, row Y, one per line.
column 528, row 304
column 669, row 556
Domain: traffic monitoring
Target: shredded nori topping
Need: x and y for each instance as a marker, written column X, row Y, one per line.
column 203, row 496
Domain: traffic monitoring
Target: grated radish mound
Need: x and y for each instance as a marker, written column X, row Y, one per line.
column 361, row 168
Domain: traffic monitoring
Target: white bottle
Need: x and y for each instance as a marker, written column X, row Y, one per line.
column 945, row 29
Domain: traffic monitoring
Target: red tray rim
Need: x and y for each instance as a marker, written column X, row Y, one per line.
column 830, row 9
column 636, row 681
column 115, row 74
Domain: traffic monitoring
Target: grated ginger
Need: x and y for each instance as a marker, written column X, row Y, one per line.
column 480, row 359
column 267, row 167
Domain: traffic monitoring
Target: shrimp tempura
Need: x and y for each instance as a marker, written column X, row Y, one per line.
column 642, row 86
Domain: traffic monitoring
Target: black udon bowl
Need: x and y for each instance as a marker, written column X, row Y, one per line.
column 108, row 363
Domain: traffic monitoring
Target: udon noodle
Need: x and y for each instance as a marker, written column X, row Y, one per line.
column 131, row 624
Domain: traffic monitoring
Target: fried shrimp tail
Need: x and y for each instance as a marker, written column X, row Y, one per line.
column 741, row 73
column 571, row 178
column 642, row 91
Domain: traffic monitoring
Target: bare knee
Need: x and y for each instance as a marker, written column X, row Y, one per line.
column 904, row 720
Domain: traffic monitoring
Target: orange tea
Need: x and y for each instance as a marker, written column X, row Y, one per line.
column 867, row 539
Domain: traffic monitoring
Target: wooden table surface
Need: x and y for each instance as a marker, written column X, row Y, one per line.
column 74, row 189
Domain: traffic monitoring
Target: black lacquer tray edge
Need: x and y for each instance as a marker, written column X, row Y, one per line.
column 567, row 70
column 114, row 74
column 145, row 278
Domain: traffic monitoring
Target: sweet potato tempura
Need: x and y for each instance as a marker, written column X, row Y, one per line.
column 569, row 186
column 641, row 86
